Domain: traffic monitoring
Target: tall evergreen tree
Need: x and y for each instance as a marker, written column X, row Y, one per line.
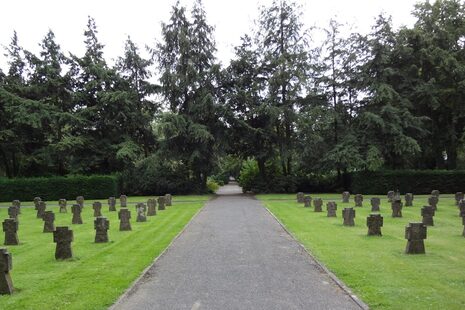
column 187, row 63
column 388, row 130
column 52, row 87
column 283, row 42
column 250, row 120
column 139, row 107
column 438, row 73
column 91, row 80
column 22, row 117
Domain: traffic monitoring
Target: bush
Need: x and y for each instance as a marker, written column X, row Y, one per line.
column 226, row 167
column 220, row 179
column 249, row 175
column 273, row 182
column 212, row 186
column 54, row 188
column 315, row 183
column 407, row 181
column 156, row 176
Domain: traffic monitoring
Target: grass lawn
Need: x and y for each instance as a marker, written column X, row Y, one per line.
column 99, row 273
column 376, row 268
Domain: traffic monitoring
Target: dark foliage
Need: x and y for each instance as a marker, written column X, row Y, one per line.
column 407, row 181
column 54, row 188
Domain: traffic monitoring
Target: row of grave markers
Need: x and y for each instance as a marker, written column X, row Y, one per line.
column 62, row 235
column 415, row 232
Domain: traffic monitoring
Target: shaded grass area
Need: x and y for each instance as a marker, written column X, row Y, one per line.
column 376, row 268
column 99, row 273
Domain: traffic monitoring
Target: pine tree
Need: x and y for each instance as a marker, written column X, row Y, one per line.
column 139, row 109
column 250, row 120
column 187, row 64
column 92, row 80
column 52, row 87
column 283, row 42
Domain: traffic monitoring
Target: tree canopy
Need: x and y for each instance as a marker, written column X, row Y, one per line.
column 389, row 99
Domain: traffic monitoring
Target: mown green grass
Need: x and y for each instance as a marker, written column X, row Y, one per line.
column 99, row 273
column 376, row 268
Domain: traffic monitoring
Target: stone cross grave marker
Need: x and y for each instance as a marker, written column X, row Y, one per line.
column 462, row 208
column 123, row 200
column 349, row 215
column 168, row 199
column 408, row 199
column 13, row 212
column 374, row 223
column 76, row 209
column 161, row 203
column 345, row 197
column 141, row 217
column 415, row 233
column 49, row 221
column 63, row 236
column 101, row 225
column 41, row 209
column 16, row 203
column 36, row 202
column 396, row 206
column 375, row 202
column 433, row 201
column 458, row 196
column 63, row 205
column 307, row 201
column 151, row 207
column 112, row 204
column 300, row 197
column 124, row 215
column 97, row 206
column 331, row 208
column 317, row 205
column 80, row 201
column 10, row 227
column 390, row 196
column 358, row 199
column 427, row 212
column 6, row 284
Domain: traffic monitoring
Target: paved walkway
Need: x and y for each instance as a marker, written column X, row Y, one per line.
column 234, row 255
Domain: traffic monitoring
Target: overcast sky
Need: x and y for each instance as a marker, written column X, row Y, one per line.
column 141, row 19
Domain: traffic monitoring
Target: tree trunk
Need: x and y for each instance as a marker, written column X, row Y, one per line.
column 261, row 167
column 452, row 153
column 15, row 165
column 6, row 163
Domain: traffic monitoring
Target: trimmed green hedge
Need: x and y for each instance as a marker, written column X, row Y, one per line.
column 54, row 188
column 407, row 181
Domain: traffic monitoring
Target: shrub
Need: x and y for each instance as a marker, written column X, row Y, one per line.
column 54, row 188
column 226, row 167
column 316, row 183
column 249, row 175
column 156, row 176
column 220, row 179
column 212, row 186
column 413, row 181
column 273, row 182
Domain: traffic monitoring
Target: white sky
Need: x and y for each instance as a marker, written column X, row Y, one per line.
column 141, row 19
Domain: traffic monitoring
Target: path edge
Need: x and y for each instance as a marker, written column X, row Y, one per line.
column 333, row 277
column 134, row 284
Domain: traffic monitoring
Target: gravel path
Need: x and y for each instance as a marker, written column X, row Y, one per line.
column 235, row 255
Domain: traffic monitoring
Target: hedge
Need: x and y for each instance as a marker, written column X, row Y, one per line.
column 407, row 181
column 54, row 188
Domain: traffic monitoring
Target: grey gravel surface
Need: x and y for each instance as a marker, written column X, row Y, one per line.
column 235, row 255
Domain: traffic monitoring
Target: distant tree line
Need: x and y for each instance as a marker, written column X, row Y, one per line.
column 391, row 99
